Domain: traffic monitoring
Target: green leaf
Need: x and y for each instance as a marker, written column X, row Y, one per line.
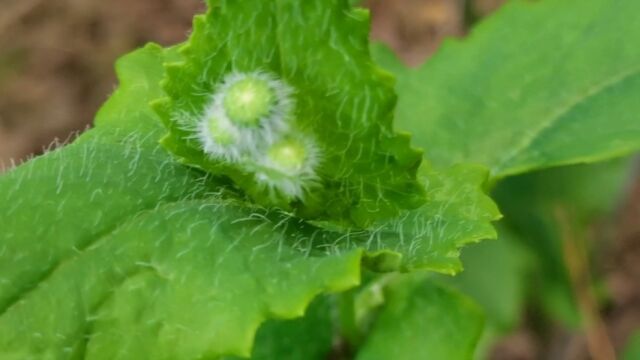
column 110, row 250
column 340, row 101
column 538, row 84
column 307, row 338
column 632, row 349
column 458, row 213
column 69, row 197
column 495, row 277
column 186, row 279
column 429, row 237
column 423, row 320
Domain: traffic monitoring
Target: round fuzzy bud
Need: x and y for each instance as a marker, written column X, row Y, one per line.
column 288, row 168
column 220, row 132
column 258, row 104
column 219, row 137
column 250, row 123
column 288, row 156
column 249, row 100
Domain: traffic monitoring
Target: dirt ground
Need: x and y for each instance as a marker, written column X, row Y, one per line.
column 56, row 61
column 56, row 69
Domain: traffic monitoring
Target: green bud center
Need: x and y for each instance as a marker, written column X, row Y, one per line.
column 220, row 133
column 248, row 100
column 288, row 155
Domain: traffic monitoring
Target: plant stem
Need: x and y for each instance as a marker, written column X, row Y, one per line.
column 347, row 318
column 576, row 260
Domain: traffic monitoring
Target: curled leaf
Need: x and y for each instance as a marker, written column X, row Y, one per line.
column 255, row 74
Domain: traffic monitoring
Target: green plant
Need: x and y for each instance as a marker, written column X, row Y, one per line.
column 263, row 205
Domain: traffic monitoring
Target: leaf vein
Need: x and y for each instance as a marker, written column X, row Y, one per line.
column 561, row 112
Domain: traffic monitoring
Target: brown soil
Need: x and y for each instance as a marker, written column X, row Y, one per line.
column 56, row 61
column 622, row 269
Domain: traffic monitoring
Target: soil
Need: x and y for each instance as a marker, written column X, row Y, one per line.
column 56, row 69
column 56, row 61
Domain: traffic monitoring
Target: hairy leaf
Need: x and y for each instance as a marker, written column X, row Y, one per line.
column 111, row 250
column 340, row 104
column 429, row 237
column 58, row 204
column 538, row 84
